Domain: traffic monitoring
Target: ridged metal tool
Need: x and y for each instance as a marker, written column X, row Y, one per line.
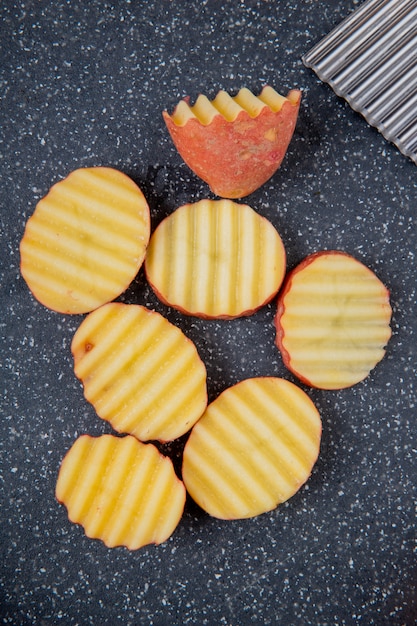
column 370, row 59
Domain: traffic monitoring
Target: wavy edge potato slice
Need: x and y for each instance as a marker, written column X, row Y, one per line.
column 121, row 491
column 86, row 240
column 333, row 320
column 215, row 259
column 235, row 144
column 139, row 371
column 252, row 449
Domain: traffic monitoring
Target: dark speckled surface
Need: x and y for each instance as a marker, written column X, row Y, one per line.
column 84, row 83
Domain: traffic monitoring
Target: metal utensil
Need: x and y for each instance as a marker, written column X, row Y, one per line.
column 370, row 59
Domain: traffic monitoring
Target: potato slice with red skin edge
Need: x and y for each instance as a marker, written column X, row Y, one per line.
column 86, row 240
column 139, row 371
column 252, row 449
column 215, row 259
column 121, row 491
column 332, row 321
column 236, row 157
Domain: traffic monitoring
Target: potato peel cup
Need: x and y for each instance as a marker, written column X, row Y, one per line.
column 120, row 490
column 332, row 321
column 235, row 144
column 215, row 259
column 252, row 449
column 139, row 371
column 86, row 240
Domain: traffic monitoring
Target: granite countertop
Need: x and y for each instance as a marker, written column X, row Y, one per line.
column 83, row 84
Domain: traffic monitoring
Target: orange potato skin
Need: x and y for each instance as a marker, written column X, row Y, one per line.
column 279, row 338
column 236, row 158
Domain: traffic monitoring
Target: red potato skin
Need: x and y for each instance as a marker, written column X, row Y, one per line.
column 236, row 158
column 280, row 334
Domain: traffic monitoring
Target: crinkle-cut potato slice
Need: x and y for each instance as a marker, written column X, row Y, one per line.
column 86, row 240
column 139, row 371
column 333, row 320
column 215, row 259
column 235, row 144
column 252, row 449
column 120, row 490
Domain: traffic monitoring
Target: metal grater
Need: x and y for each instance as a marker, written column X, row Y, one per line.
column 370, row 59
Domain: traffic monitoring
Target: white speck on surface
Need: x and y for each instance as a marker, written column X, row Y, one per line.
column 85, row 84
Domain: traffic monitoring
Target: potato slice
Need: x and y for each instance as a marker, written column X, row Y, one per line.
column 235, row 144
column 86, row 240
column 253, row 448
column 139, row 371
column 120, row 490
column 215, row 259
column 333, row 320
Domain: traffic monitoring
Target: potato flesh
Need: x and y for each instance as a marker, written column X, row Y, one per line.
column 228, row 106
column 120, row 490
column 215, row 259
column 335, row 321
column 86, row 240
column 253, row 448
column 140, row 372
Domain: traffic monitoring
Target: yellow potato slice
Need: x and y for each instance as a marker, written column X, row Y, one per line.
column 139, row 371
column 333, row 320
column 120, row 490
column 215, row 259
column 86, row 240
column 253, row 448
